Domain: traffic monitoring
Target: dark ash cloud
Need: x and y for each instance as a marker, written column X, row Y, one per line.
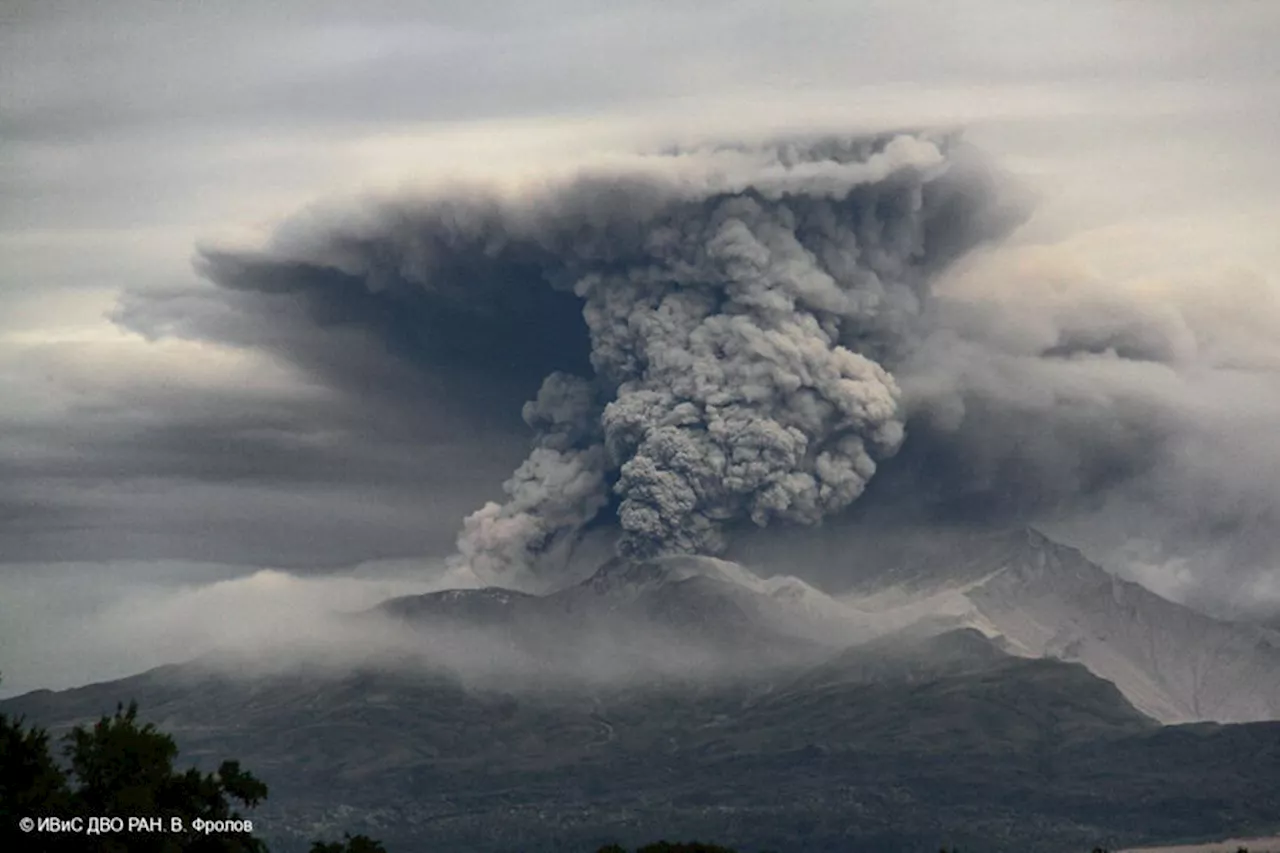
column 719, row 286
column 742, row 307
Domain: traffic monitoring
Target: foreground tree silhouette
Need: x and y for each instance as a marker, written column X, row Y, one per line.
column 670, row 847
column 30, row 781
column 121, row 768
column 118, row 768
column 350, row 844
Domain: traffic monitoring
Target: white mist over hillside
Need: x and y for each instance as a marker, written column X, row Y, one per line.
column 86, row 622
column 620, row 622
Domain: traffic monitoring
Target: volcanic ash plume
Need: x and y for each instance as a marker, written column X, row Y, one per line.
column 561, row 486
column 739, row 303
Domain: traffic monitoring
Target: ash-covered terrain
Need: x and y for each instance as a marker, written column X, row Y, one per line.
column 687, row 696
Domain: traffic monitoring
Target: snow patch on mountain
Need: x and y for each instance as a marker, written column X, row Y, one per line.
column 1172, row 662
column 1039, row 598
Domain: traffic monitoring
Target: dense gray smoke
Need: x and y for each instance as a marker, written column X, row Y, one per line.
column 732, row 308
column 561, row 486
column 744, row 335
column 715, row 329
column 734, row 395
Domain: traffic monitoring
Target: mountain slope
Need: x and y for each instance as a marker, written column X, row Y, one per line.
column 1044, row 599
column 674, row 616
column 1036, row 597
column 906, row 746
column 1171, row 661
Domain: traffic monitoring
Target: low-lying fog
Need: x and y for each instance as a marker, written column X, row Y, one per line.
column 83, row 622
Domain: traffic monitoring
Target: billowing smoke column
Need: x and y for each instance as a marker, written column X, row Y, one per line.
column 738, row 303
column 560, row 487
column 714, row 331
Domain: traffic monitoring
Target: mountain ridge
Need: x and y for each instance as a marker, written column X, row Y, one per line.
column 950, row 741
column 1171, row 661
column 1034, row 596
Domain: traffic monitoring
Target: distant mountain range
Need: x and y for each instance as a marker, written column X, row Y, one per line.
column 1039, row 598
column 1033, row 596
column 1004, row 695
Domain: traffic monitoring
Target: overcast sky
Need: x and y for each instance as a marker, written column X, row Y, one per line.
column 131, row 132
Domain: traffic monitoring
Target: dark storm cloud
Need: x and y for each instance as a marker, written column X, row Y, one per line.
column 369, row 342
column 236, row 459
column 231, row 476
